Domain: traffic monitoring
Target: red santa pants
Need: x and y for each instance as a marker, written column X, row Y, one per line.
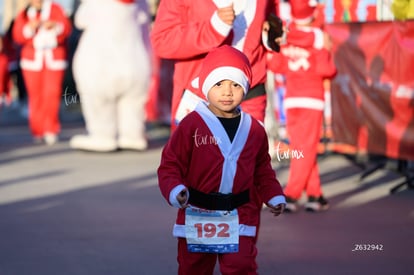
column 240, row 263
column 44, row 90
column 304, row 129
column 4, row 75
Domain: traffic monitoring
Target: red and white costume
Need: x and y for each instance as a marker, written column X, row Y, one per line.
column 200, row 155
column 4, row 74
column 112, row 70
column 305, row 69
column 186, row 30
column 43, row 62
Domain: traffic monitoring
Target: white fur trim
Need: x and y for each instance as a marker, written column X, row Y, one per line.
column 52, row 63
column 173, row 195
column 277, row 200
column 222, row 73
column 45, row 13
column 313, row 3
column 37, row 63
column 33, row 65
column 304, row 102
column 222, row 3
column 245, row 13
column 230, row 150
column 265, row 37
column 46, row 10
column 45, row 39
column 195, row 83
column 221, row 27
column 319, row 39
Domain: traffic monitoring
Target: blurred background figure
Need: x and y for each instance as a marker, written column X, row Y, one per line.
column 305, row 69
column 42, row 29
column 112, row 68
column 4, row 74
column 13, row 80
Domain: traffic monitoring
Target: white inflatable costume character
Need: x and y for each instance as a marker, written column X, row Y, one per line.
column 112, row 68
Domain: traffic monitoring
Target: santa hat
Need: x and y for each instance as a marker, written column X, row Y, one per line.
column 303, row 10
column 225, row 62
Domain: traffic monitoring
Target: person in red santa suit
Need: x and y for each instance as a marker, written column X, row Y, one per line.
column 305, row 69
column 42, row 29
column 185, row 31
column 209, row 167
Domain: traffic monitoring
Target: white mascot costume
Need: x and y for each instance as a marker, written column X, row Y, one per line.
column 112, row 68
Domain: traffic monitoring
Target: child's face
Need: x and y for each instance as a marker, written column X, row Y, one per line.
column 224, row 97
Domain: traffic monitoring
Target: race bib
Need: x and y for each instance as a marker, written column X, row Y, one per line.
column 212, row 231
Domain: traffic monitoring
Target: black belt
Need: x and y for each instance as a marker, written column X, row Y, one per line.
column 256, row 91
column 218, row 201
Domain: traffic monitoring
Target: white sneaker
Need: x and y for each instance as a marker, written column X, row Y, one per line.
column 50, row 138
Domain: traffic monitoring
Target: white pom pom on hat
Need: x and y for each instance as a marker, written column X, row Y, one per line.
column 303, row 10
column 225, row 62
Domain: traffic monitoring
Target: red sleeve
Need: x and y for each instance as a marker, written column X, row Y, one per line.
column 175, row 35
column 325, row 66
column 60, row 17
column 277, row 63
column 175, row 160
column 17, row 32
column 265, row 177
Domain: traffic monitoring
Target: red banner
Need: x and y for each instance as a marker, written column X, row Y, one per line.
column 373, row 92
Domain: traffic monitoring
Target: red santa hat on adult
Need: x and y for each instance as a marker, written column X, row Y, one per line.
column 225, row 62
column 303, row 10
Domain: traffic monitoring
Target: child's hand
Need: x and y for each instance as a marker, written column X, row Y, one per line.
column 182, row 198
column 277, row 210
column 227, row 14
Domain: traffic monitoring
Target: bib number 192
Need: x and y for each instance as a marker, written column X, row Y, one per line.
column 210, row 230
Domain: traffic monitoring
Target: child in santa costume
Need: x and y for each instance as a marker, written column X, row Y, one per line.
column 186, row 31
column 210, row 168
column 112, row 68
column 42, row 29
column 305, row 69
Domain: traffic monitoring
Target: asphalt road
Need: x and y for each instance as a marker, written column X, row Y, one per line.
column 65, row 212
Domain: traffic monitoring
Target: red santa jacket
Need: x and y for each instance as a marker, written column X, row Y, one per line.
column 186, row 30
column 305, row 69
column 42, row 47
column 200, row 155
